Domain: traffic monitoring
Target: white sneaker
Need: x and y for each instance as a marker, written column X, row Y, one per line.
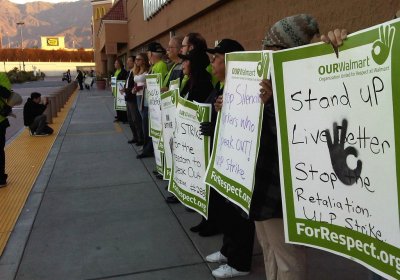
column 225, row 271
column 216, row 257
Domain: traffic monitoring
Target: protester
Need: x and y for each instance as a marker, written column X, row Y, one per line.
column 79, row 78
column 140, row 71
column 195, row 41
column 282, row 260
column 120, row 74
column 198, row 87
column 336, row 39
column 238, row 240
column 5, row 110
column 131, row 105
column 174, row 47
column 34, row 117
column 155, row 53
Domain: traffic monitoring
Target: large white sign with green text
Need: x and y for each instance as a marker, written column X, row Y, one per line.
column 190, row 154
column 153, row 89
column 339, row 124
column 168, row 112
column 233, row 161
column 119, row 98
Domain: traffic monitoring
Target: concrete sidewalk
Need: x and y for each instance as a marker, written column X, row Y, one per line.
column 97, row 212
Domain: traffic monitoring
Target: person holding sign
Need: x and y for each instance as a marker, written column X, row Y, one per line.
column 198, row 86
column 155, row 53
column 120, row 74
column 282, row 261
column 238, row 240
column 131, row 104
column 173, row 49
column 190, row 42
column 140, row 71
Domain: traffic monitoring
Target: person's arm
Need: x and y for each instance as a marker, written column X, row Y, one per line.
column 4, row 92
column 39, row 109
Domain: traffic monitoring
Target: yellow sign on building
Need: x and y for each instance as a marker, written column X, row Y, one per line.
column 52, row 42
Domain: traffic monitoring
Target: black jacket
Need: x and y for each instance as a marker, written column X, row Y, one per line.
column 217, row 91
column 31, row 111
column 266, row 202
column 122, row 75
column 129, row 85
column 198, row 89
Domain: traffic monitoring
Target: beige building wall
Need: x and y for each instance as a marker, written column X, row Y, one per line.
column 99, row 9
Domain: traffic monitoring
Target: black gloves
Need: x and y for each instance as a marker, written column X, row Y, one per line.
column 207, row 128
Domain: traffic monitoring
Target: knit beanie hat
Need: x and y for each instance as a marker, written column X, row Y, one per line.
column 292, row 32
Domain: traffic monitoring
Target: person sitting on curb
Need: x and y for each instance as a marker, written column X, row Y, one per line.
column 34, row 117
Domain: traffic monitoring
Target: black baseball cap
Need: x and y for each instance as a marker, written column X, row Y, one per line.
column 155, row 47
column 226, row 46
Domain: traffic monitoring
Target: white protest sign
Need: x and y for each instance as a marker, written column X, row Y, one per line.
column 339, row 124
column 119, row 99
column 174, row 84
column 233, row 162
column 168, row 104
column 190, row 155
column 153, row 86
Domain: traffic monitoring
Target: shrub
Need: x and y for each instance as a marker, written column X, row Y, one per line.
column 16, row 76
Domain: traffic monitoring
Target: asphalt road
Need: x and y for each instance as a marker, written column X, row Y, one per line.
column 50, row 84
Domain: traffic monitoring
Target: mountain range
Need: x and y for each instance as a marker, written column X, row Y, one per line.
column 69, row 19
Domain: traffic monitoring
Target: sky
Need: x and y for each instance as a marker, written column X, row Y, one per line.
column 52, row 1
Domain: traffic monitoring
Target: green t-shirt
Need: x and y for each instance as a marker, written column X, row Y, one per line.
column 160, row 67
column 166, row 78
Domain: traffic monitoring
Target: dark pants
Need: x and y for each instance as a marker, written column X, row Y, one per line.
column 135, row 120
column 148, row 143
column 3, row 127
column 238, row 240
column 121, row 116
column 39, row 124
column 80, row 85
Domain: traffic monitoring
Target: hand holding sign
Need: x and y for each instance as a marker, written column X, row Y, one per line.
column 266, row 90
column 381, row 47
column 218, row 103
column 339, row 155
column 335, row 38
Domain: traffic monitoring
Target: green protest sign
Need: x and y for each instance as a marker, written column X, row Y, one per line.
column 158, row 156
column 153, row 89
column 338, row 129
column 232, row 166
column 174, row 84
column 161, row 142
column 153, row 86
column 190, row 154
column 119, row 98
column 168, row 110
